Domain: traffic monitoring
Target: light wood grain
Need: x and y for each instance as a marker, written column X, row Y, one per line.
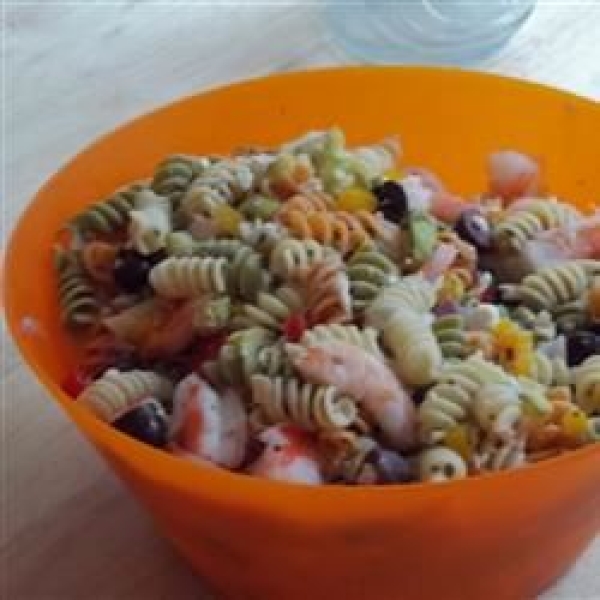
column 73, row 71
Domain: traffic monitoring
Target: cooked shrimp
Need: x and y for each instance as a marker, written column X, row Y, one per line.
column 512, row 175
column 448, row 207
column 371, row 382
column 290, row 455
column 207, row 425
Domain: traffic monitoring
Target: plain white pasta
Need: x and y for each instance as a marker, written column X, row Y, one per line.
column 290, row 256
column 450, row 401
column 440, row 464
column 365, row 338
column 549, row 370
column 414, row 293
column 498, row 455
column 261, row 235
column 311, row 406
column 117, row 391
column 188, row 276
column 417, row 357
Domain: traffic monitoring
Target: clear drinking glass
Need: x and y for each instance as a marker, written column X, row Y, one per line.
column 454, row 32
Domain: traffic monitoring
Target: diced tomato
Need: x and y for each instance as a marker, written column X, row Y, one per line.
column 294, row 327
column 75, row 382
column 208, row 349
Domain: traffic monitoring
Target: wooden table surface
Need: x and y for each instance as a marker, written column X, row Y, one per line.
column 74, row 70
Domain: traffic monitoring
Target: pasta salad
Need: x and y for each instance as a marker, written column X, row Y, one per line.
column 318, row 313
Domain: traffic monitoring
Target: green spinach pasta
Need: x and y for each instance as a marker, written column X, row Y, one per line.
column 372, row 325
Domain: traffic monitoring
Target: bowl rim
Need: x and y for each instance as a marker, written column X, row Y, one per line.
column 214, row 481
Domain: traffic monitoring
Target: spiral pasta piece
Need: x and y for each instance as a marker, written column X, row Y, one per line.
column 185, row 277
column 340, row 230
column 226, row 181
column 535, row 216
column 310, row 406
column 220, row 248
column 550, row 371
column 248, row 352
column 270, row 310
column 174, row 175
column 445, row 406
column 109, row 215
column 78, row 302
column 306, row 202
column 541, row 324
column 417, row 355
column 327, row 293
column 369, row 271
column 552, row 286
column 586, row 378
column 412, row 293
column 571, row 316
column 365, row 338
column 247, row 276
column 450, row 402
column 289, row 256
column 449, row 332
column 495, row 455
column 261, row 236
column 118, row 391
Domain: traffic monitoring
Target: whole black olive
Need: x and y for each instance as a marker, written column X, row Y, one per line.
column 146, row 422
column 391, row 200
column 131, row 270
column 473, row 227
column 581, row 345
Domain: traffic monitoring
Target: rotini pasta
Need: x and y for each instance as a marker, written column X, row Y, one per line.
column 187, row 277
column 552, row 287
column 369, row 271
column 340, row 230
column 226, row 181
column 313, row 407
column 550, row 371
column 365, row 338
column 450, row 401
column 327, row 293
column 240, row 357
column 116, row 392
column 533, row 217
column 417, row 354
column 78, row 302
column 271, row 309
column 174, row 175
column 109, row 215
column 412, row 293
column 450, row 334
column 499, row 456
column 313, row 313
column 290, row 256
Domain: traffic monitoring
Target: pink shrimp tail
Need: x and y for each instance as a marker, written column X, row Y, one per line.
column 513, row 175
column 447, row 207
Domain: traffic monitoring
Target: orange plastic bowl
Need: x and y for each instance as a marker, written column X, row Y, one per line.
column 505, row 536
